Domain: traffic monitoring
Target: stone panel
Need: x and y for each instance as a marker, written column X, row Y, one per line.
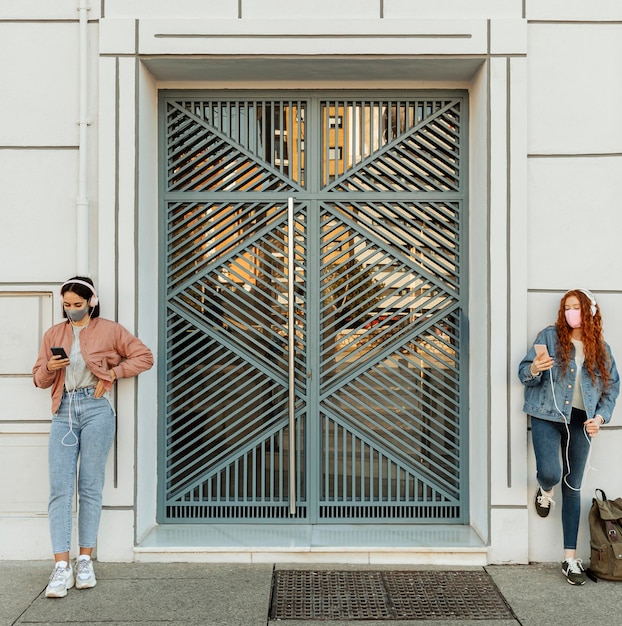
column 489, row 9
column 25, row 491
column 574, row 222
column 575, row 94
column 41, row 106
column 19, row 314
column 37, row 238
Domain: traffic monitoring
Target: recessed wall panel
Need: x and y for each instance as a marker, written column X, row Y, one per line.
column 19, row 345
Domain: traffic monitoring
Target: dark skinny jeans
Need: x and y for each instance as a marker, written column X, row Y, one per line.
column 549, row 439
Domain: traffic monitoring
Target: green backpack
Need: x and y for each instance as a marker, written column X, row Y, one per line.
column 605, row 520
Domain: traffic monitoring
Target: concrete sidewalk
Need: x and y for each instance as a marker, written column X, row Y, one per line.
column 131, row 594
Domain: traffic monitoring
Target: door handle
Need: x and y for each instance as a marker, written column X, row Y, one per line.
column 291, row 333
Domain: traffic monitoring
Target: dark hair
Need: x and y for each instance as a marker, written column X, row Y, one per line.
column 81, row 290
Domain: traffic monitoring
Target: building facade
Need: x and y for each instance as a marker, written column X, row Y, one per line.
column 338, row 226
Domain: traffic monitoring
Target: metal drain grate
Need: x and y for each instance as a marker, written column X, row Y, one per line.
column 384, row 595
column 445, row 595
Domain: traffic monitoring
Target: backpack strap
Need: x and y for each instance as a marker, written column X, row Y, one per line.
column 590, row 574
column 612, row 533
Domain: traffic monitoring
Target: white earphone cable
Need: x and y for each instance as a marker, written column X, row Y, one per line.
column 588, row 465
column 71, row 394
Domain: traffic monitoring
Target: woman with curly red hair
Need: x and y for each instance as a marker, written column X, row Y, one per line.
column 571, row 385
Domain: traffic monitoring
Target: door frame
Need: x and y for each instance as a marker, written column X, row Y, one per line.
column 312, row 197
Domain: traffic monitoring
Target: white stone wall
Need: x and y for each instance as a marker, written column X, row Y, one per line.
column 545, row 171
column 574, row 185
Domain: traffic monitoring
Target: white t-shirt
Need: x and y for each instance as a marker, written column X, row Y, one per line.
column 77, row 374
column 579, row 357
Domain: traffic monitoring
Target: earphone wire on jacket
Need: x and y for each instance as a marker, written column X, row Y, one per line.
column 588, row 465
column 71, row 393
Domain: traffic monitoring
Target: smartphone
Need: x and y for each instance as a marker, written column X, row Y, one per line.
column 59, row 351
column 541, row 348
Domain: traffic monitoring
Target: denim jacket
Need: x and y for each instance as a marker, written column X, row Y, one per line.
column 546, row 401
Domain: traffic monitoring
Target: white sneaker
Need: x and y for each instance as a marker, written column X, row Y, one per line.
column 61, row 579
column 85, row 578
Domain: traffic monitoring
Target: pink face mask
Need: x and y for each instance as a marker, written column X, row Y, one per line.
column 573, row 317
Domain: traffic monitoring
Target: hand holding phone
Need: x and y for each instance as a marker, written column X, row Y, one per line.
column 59, row 359
column 543, row 360
column 59, row 351
column 541, row 349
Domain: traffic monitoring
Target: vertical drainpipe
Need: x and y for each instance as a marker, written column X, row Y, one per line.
column 82, row 203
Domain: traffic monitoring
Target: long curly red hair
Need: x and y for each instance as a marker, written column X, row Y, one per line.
column 596, row 356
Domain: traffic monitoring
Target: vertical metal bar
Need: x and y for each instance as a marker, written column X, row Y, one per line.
column 335, row 461
column 325, row 494
column 362, row 472
column 346, row 131
column 353, row 468
column 344, row 465
column 262, row 476
column 282, row 131
column 291, row 333
column 281, row 468
column 299, row 144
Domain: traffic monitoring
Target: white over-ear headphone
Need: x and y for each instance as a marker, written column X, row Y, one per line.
column 93, row 300
column 591, row 298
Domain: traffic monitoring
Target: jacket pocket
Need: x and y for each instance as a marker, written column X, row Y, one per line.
column 106, row 359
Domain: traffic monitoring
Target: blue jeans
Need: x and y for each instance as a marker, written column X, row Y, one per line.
column 82, row 432
column 549, row 439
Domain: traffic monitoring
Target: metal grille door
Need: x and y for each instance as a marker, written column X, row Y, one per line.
column 312, row 309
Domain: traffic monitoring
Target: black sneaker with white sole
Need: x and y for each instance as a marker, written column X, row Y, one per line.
column 573, row 571
column 543, row 501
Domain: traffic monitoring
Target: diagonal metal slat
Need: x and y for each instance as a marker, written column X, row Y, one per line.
column 361, row 176
column 217, row 167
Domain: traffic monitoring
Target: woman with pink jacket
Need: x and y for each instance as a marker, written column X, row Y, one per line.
column 81, row 359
